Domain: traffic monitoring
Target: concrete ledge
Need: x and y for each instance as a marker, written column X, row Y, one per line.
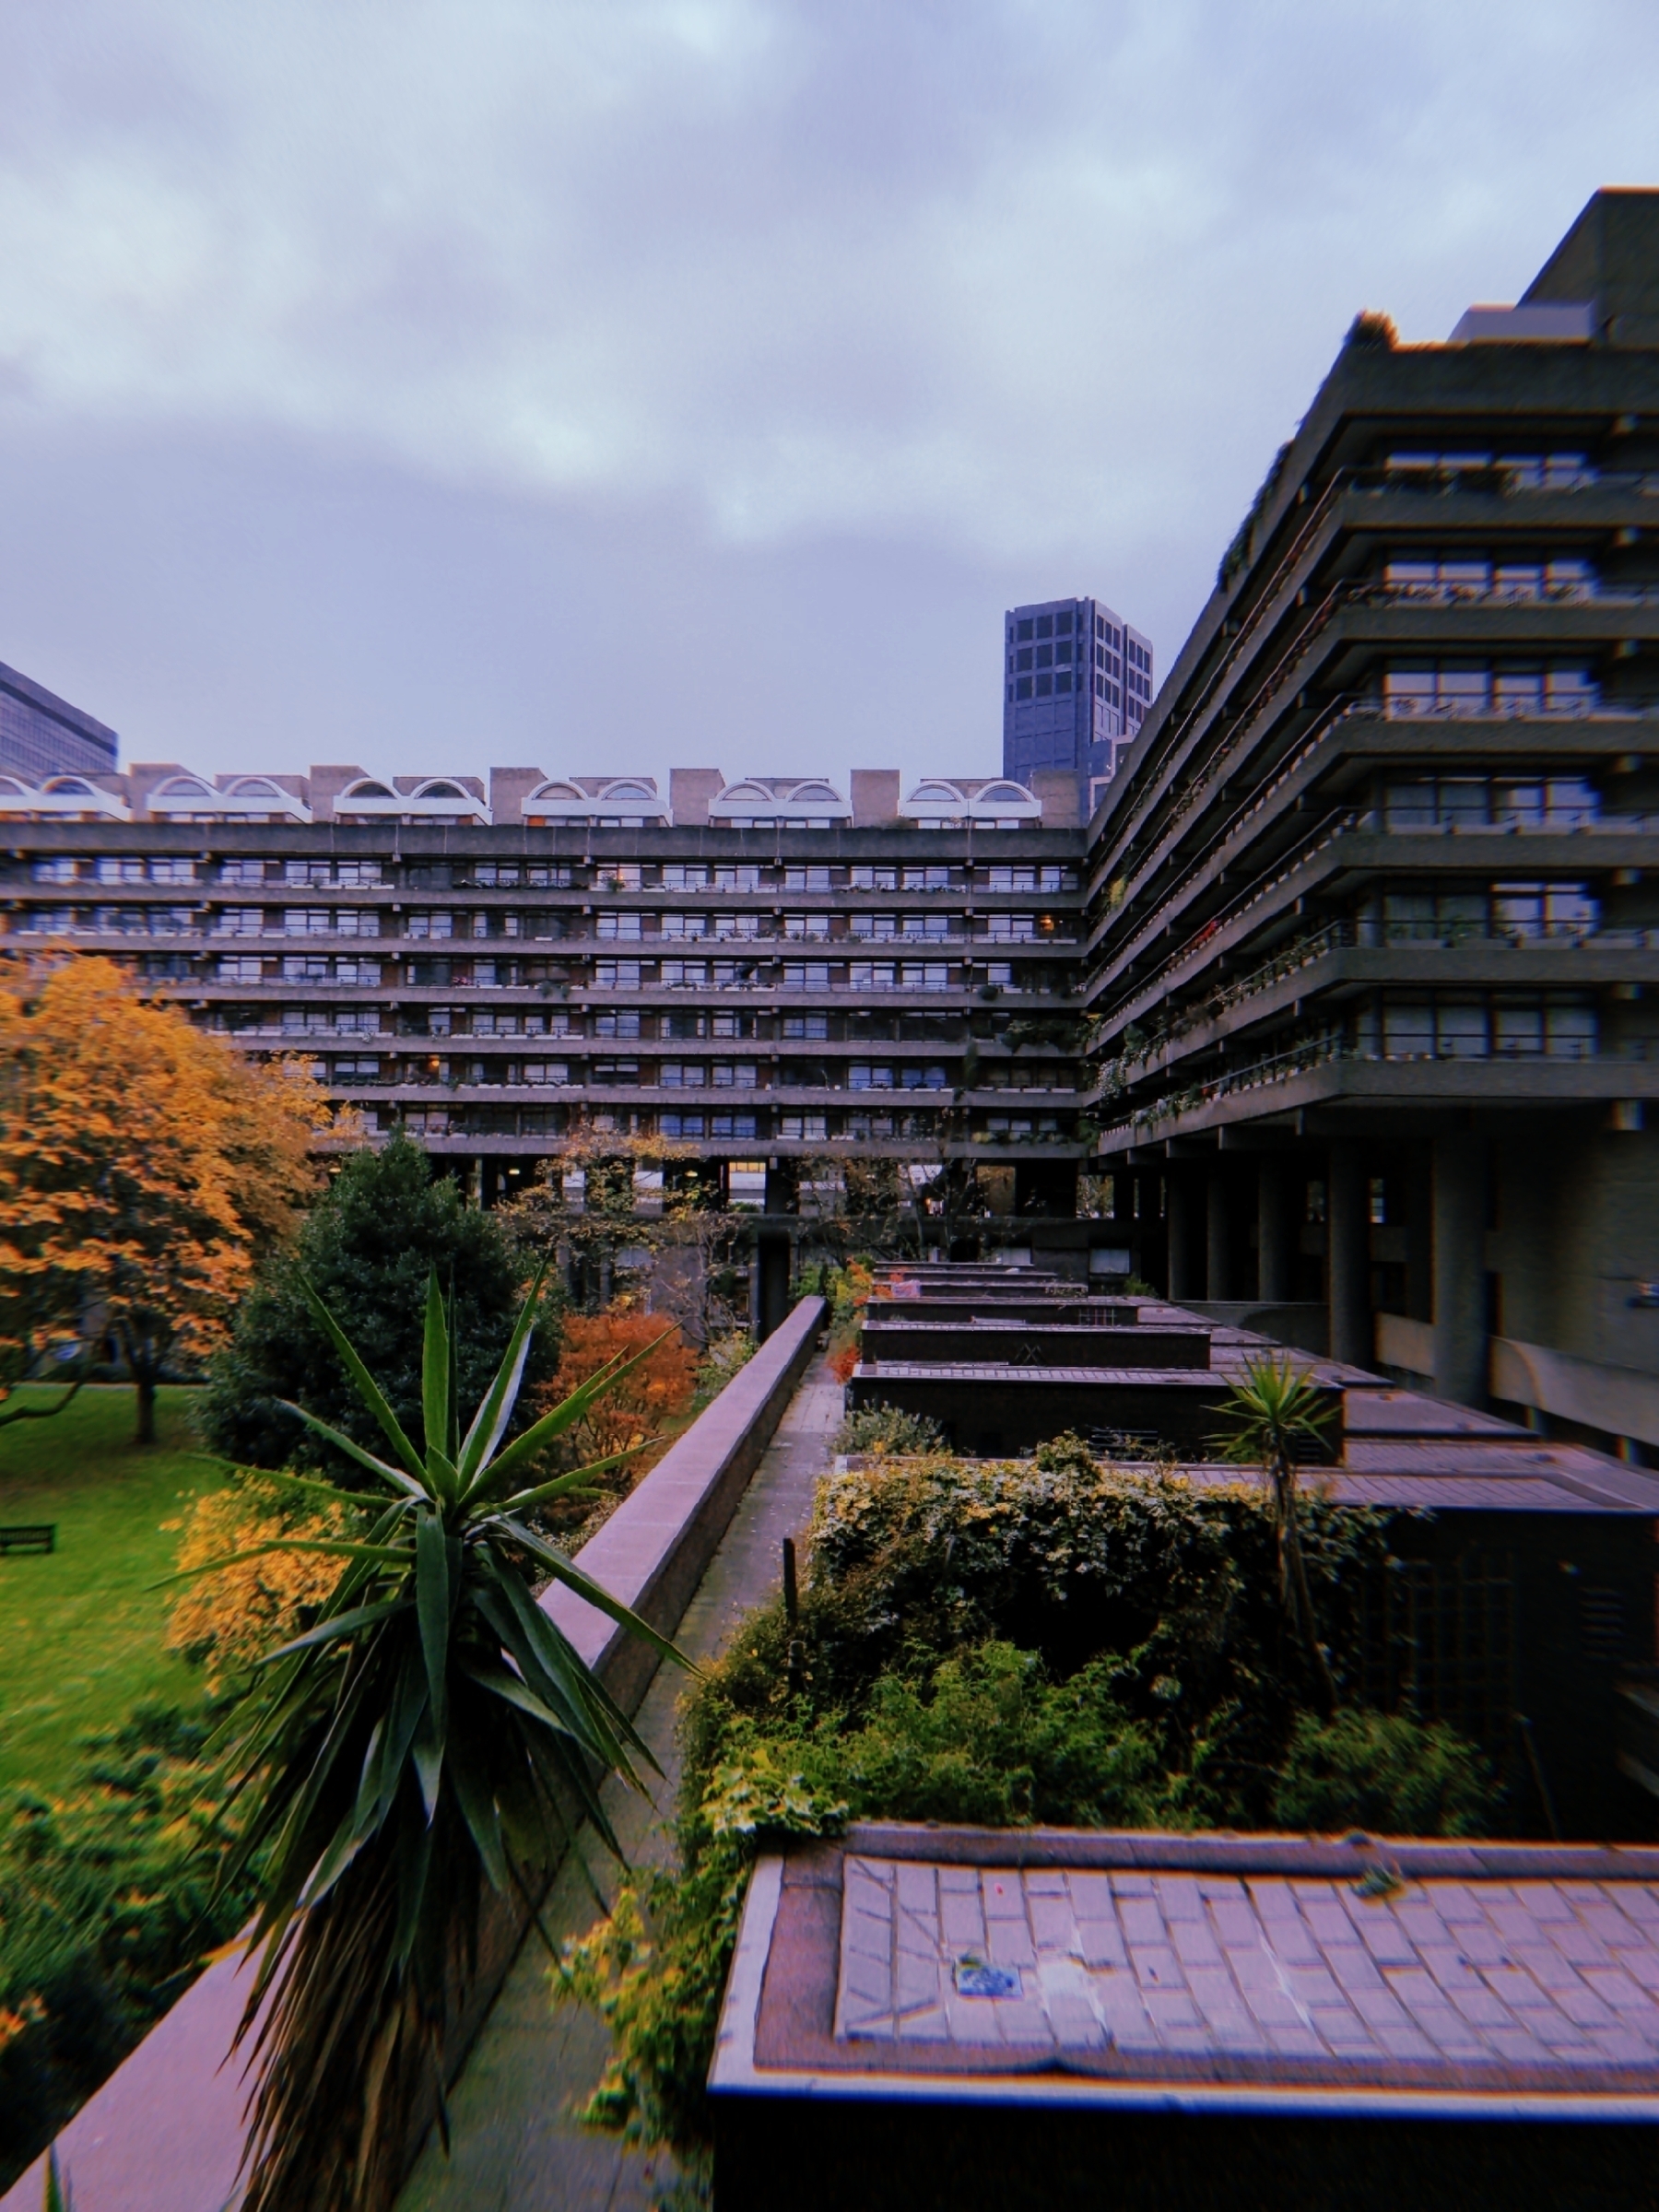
column 165, row 2132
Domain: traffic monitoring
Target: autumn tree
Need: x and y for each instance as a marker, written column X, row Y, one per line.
column 145, row 1166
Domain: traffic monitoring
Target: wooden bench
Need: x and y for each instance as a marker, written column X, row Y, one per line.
column 29, row 1537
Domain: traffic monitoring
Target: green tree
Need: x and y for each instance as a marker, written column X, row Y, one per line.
column 367, row 1246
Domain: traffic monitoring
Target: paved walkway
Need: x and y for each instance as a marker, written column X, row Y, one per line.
column 515, row 2144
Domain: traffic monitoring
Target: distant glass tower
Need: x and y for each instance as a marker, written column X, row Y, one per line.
column 1077, row 682
column 43, row 735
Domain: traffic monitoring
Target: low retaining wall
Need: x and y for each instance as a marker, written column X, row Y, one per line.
column 165, row 2132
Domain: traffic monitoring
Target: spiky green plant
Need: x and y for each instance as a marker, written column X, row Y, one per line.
column 427, row 1742
column 1276, row 1407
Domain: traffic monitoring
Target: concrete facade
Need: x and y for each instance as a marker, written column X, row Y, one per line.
column 1373, row 921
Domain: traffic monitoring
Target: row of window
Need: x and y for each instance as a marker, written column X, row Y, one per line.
column 689, row 876
column 1477, row 1027
column 1480, row 687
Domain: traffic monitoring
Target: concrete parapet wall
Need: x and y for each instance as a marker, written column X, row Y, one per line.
column 165, row 2132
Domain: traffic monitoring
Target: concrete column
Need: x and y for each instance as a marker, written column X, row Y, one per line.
column 1180, row 1224
column 1347, row 1253
column 1419, row 1234
column 1274, row 1249
column 1460, row 1215
column 1217, row 1259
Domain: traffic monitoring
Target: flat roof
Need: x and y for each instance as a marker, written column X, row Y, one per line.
column 1204, row 1972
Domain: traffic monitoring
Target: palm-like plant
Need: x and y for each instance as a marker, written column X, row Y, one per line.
column 1268, row 1414
column 428, row 1741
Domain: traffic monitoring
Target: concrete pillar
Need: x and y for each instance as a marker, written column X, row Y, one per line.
column 1180, row 1224
column 1460, row 1215
column 1217, row 1259
column 1348, row 1251
column 1419, row 1233
column 1275, row 1250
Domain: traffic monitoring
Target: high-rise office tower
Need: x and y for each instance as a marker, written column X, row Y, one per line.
column 1077, row 682
column 43, row 735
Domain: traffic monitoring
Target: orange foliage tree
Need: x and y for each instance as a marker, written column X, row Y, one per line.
column 650, row 1396
column 145, row 1166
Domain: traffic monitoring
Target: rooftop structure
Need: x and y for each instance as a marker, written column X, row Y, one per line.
column 1076, row 685
column 1372, row 940
column 918, row 2013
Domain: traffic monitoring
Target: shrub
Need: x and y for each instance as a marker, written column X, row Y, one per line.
column 1387, row 1772
column 108, row 1905
column 723, row 1356
column 884, row 1432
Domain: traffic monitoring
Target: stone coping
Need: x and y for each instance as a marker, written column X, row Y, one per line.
column 165, row 2132
column 1219, row 1972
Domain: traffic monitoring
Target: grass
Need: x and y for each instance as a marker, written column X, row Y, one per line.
column 80, row 1629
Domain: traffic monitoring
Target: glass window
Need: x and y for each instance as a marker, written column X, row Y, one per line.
column 806, row 975
column 1025, row 628
column 1045, row 656
column 689, row 876
column 620, row 928
column 807, row 1025
column 1045, row 626
column 799, row 878
column 625, row 1024
column 680, row 975
column 616, row 975
column 872, row 975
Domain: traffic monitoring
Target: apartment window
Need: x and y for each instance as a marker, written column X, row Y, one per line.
column 241, row 968
column 864, row 1074
column 547, row 1073
column 806, row 879
column 623, row 1073
column 357, row 921
column 682, row 1075
column 1045, row 626
column 1025, row 626
column 305, row 872
column 432, row 926
column 924, row 975
column 1472, row 802
column 685, row 876
column 496, row 876
column 622, row 929
column 1544, row 909
column 680, row 975
column 1013, row 879
column 357, row 973
column 735, row 974
column 116, row 868
column 682, row 1125
column 804, row 1128
column 926, row 879
column 678, row 928
column 738, row 877
column 867, row 878
column 1507, row 1027
column 242, row 871
column 1023, row 686
column 935, row 928
column 172, row 871
column 874, row 975
column 616, row 975
column 921, row 1078
column 297, row 967
column 357, row 1071
column 812, row 1026
column 736, row 1074
column 801, row 926
column 738, row 925
column 1011, row 929
column 883, row 928
column 625, row 1024
column 806, row 975
column 1458, row 689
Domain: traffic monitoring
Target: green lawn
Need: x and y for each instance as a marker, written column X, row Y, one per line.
column 80, row 1632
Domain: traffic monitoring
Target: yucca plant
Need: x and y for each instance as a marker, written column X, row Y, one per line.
column 1267, row 1416
column 426, row 1742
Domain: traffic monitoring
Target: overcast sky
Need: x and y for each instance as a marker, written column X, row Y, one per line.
column 603, row 384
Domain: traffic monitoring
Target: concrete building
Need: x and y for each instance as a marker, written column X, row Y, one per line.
column 1077, row 686
column 1373, row 908
column 756, row 972
column 43, row 735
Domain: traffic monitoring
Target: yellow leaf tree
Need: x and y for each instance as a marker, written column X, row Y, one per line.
column 145, row 1166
